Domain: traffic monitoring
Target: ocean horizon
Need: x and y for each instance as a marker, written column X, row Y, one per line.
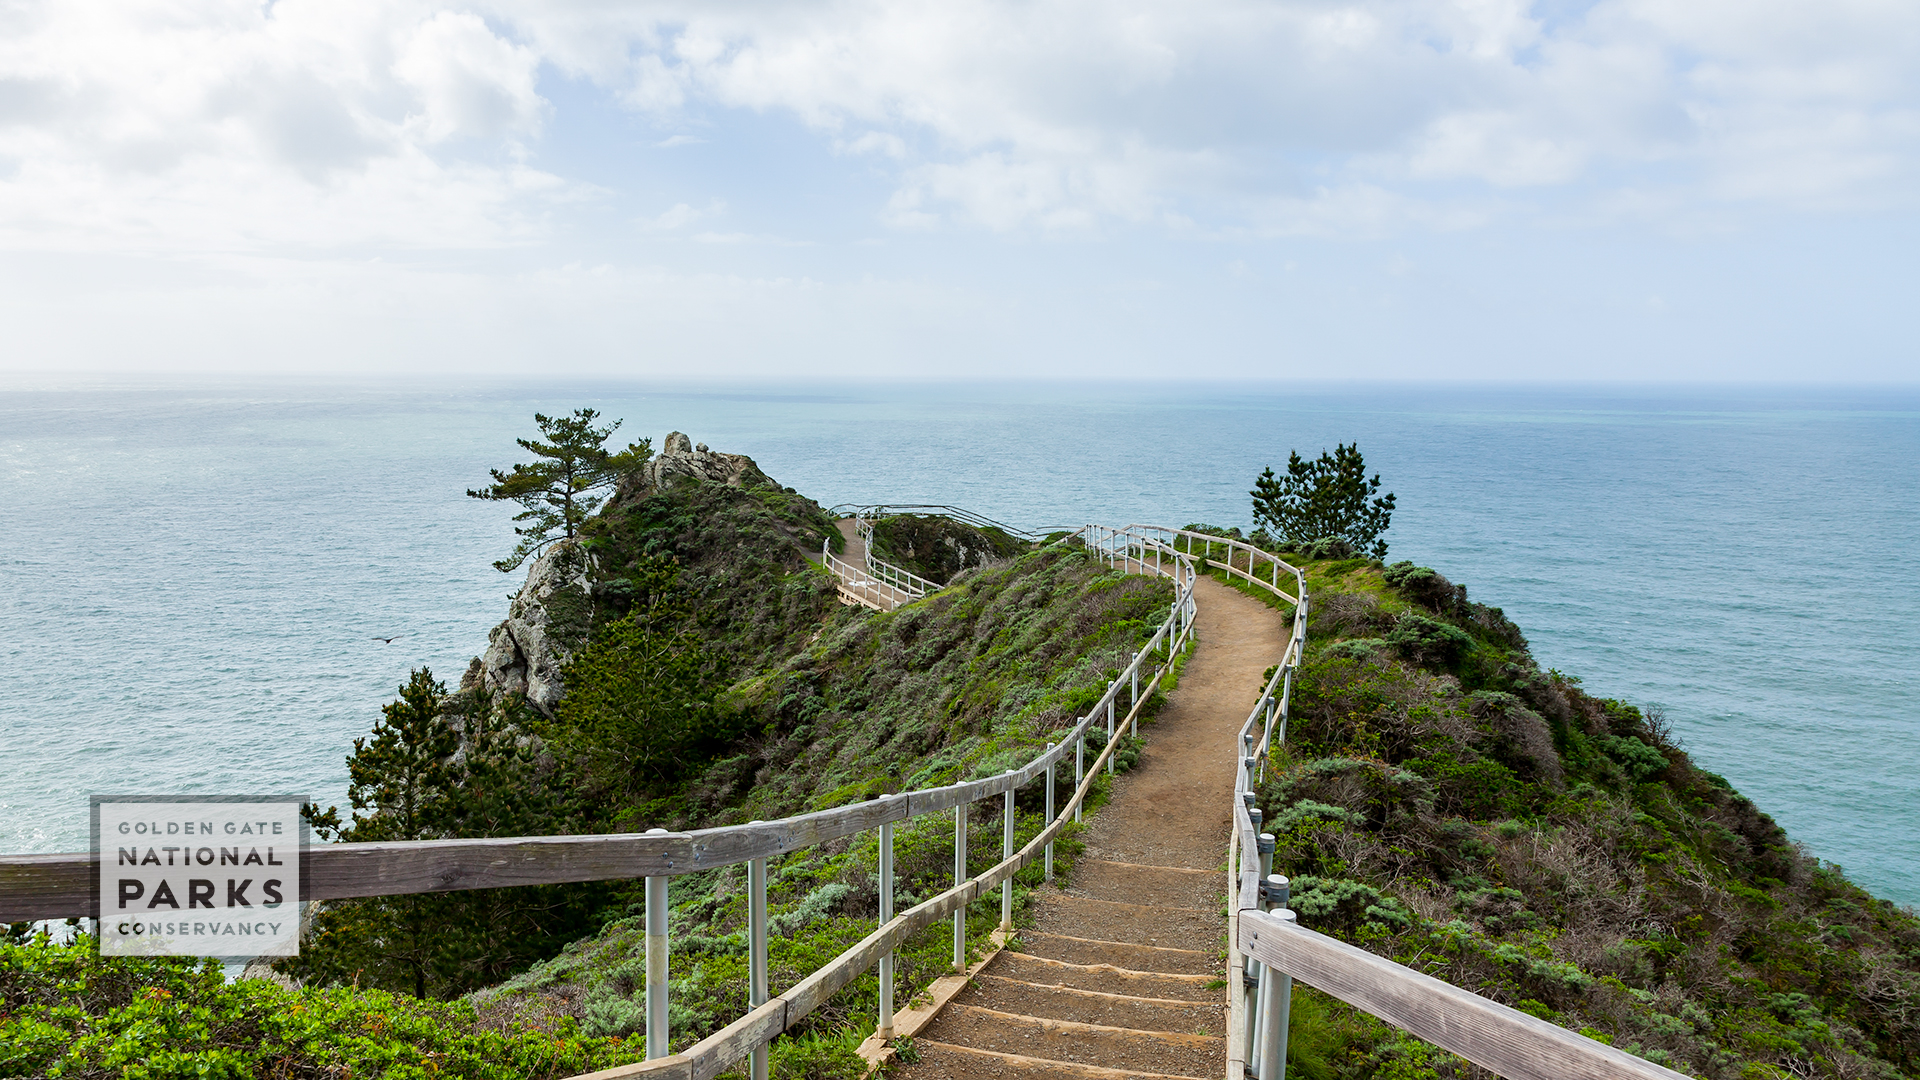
column 199, row 569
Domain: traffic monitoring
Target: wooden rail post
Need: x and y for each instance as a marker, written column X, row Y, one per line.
column 884, row 1030
column 658, row 1039
column 757, row 988
column 959, row 879
column 1006, row 852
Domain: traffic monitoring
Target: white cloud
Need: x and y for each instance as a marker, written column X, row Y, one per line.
column 226, row 124
column 1052, row 114
column 156, row 125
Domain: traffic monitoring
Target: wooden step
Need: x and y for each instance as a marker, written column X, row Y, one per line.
column 945, row 1061
column 1197, row 929
column 1160, row 886
column 1096, row 1006
column 1160, row 960
column 1044, row 971
column 1178, row 1053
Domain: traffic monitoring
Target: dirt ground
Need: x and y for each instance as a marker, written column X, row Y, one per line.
column 1121, row 975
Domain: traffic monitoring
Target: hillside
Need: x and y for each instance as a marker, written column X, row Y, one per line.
column 1442, row 801
column 1439, row 799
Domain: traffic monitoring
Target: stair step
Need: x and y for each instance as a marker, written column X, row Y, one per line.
column 1160, row 886
column 1167, row 1052
column 1200, row 930
column 1149, row 958
column 1044, row 971
column 945, row 1061
column 1097, row 1007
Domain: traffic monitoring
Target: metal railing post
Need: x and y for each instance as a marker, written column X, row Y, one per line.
column 884, row 1030
column 658, row 1038
column 1006, row 852
column 1049, row 857
column 959, row 878
column 1277, row 989
column 1250, row 968
column 757, row 951
column 1110, row 757
column 1079, row 769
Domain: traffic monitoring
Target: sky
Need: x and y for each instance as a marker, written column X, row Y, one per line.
column 1627, row 190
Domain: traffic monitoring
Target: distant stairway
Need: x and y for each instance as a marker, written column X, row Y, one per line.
column 1123, row 980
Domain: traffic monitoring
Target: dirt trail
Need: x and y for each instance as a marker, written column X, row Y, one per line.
column 1118, row 977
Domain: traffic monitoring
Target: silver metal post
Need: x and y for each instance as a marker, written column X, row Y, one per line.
column 1110, row 757
column 657, row 951
column 757, row 989
column 1049, row 857
column 1079, row 770
column 884, row 1030
column 1252, row 982
column 1006, row 852
column 960, row 876
column 1277, row 989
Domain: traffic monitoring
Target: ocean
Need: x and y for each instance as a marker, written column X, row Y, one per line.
column 197, row 571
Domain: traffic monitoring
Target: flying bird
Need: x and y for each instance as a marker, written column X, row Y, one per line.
column 388, row 640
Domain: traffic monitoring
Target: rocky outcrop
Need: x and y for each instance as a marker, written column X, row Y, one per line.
column 552, row 615
column 548, row 621
column 681, row 460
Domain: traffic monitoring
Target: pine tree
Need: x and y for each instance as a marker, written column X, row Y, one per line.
column 639, row 705
column 559, row 492
column 1328, row 498
column 432, row 770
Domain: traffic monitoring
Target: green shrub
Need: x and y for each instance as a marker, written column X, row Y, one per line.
column 1639, row 761
column 70, row 1012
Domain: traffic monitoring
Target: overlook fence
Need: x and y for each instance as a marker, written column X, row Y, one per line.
column 1267, row 948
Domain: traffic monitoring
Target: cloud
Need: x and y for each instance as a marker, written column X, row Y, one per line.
column 150, row 125
column 330, row 124
column 1068, row 114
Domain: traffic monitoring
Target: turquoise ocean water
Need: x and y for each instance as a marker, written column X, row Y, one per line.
column 195, row 572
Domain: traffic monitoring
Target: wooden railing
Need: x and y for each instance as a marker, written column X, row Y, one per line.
column 1267, row 948
column 36, row 887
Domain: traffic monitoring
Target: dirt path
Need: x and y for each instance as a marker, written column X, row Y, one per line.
column 1119, row 977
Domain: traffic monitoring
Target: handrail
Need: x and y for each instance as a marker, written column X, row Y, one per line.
column 863, row 584
column 35, row 887
column 899, row 578
column 958, row 513
column 1266, row 946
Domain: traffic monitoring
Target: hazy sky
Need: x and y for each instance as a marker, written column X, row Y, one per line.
column 1629, row 189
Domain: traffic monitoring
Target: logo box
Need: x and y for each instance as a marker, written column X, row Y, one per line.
column 199, row 875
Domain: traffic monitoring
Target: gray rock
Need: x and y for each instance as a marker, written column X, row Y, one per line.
column 548, row 621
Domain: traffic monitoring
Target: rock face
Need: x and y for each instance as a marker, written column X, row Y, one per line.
column 552, row 615
column 547, row 622
column 679, row 460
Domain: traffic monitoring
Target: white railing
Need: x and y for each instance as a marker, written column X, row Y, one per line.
column 863, row 585
column 897, row 577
